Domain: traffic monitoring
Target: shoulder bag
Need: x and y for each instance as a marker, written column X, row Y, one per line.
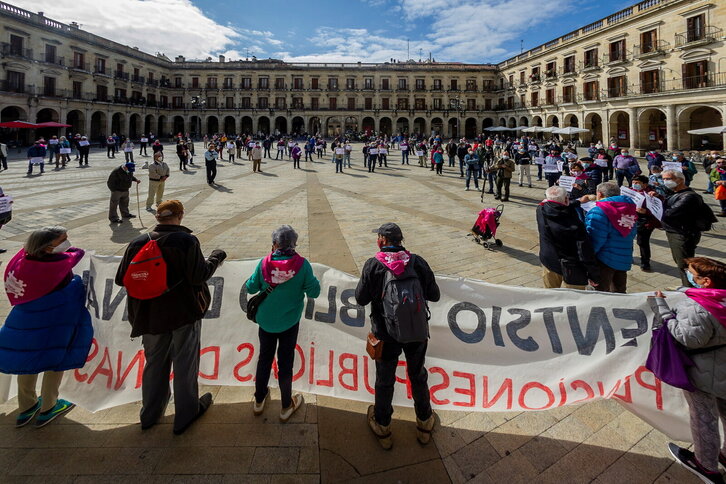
column 253, row 305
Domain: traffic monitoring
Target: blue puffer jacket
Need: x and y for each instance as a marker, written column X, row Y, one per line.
column 611, row 248
column 52, row 333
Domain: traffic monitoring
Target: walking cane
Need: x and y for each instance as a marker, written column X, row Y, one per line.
column 138, row 206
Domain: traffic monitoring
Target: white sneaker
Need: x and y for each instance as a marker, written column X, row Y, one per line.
column 286, row 413
column 258, row 408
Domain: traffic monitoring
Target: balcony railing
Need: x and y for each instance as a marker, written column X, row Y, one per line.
column 52, row 59
column 8, row 86
column 650, row 49
column 568, row 71
column 616, row 56
column 699, row 36
column 7, row 49
column 138, row 79
column 121, row 76
column 81, row 66
column 591, row 65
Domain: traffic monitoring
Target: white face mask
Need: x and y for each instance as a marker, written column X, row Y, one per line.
column 62, row 247
column 670, row 184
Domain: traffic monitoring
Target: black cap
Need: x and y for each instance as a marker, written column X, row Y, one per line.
column 390, row 231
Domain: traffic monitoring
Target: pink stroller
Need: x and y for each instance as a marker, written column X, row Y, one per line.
column 485, row 228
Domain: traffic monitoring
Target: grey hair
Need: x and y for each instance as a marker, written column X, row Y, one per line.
column 675, row 174
column 556, row 194
column 608, row 189
column 39, row 240
column 285, row 237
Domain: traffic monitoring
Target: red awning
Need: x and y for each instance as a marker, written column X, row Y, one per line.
column 17, row 124
column 52, row 124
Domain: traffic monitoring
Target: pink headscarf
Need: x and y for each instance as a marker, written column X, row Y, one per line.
column 712, row 300
column 27, row 279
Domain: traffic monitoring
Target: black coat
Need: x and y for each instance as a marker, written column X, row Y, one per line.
column 187, row 275
column 370, row 289
column 562, row 236
column 682, row 211
column 120, row 180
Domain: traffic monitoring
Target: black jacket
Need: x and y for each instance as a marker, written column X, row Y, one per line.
column 562, row 236
column 370, row 288
column 187, row 275
column 682, row 210
column 120, row 180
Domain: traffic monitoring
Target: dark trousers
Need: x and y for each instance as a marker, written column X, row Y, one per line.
column 382, row 160
column 683, row 247
column 129, row 156
column 620, row 174
column 404, row 157
column 142, row 149
column 552, row 178
column 440, row 169
column 461, row 165
column 612, row 280
column 339, row 165
column 211, row 171
column 308, row 155
column 110, row 151
column 452, row 160
column 296, row 162
column 643, row 240
column 182, row 162
column 503, row 183
column 539, row 172
column 266, row 154
column 386, row 378
column 179, row 348
column 280, row 154
column 492, row 177
column 84, row 157
column 372, row 163
column 4, row 162
column 284, row 343
column 471, row 171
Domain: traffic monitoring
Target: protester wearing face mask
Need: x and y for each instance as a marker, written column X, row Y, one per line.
column 685, row 217
column 49, row 328
column 655, row 180
column 717, row 178
column 647, row 222
column 625, row 167
column 698, row 323
column 119, row 182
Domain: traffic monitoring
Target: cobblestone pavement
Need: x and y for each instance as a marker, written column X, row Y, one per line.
column 329, row 441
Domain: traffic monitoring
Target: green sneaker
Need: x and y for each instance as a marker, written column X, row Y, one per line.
column 25, row 417
column 61, row 407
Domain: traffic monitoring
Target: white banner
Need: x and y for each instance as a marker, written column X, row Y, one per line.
column 492, row 348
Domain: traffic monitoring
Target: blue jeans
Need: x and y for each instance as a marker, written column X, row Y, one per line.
column 492, row 177
column 339, row 165
column 452, row 160
column 30, row 168
column 404, row 157
column 346, row 160
column 471, row 170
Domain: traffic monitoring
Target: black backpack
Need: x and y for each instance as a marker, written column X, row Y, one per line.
column 405, row 310
column 705, row 218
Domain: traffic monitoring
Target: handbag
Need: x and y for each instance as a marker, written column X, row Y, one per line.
column 720, row 192
column 374, row 347
column 668, row 360
column 253, row 305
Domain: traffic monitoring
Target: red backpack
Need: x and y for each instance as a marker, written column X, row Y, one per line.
column 145, row 277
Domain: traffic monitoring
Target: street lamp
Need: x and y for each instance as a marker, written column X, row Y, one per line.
column 455, row 104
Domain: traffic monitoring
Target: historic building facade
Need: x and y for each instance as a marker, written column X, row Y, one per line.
column 644, row 76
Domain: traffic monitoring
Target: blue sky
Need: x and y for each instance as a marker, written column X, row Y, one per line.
column 330, row 31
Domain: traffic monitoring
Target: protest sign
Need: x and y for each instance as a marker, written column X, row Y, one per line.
column 567, row 182
column 672, row 165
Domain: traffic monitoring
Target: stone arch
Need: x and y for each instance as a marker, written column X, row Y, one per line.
column 553, row 120
column 502, row 122
column 148, row 124
column 263, row 125
column 212, row 125
column 652, row 127
column 512, row 123
column 386, row 126
column 195, row 125
column 47, row 114
column 487, row 123
column 13, row 113
column 437, row 126
column 620, row 128
column 230, row 126
column 117, row 124
column 402, row 125
column 315, row 126
column 523, row 121
column 134, row 126
column 77, row 120
column 593, row 122
column 162, row 129
column 178, row 125
column 298, row 125
column 571, row 120
column 470, row 126
column 698, row 117
column 368, row 125
column 281, row 125
column 98, row 125
column 419, row 126
column 453, row 125
column 537, row 121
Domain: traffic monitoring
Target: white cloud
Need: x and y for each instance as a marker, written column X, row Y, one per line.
column 173, row 27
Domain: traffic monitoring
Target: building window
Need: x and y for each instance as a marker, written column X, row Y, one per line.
column 211, row 102
column 648, row 42
column 77, row 88
column 534, row 99
column 100, row 65
column 437, row 103
column 420, row 84
column 471, row 85
column 333, row 83
column 368, row 83
column 279, row 103
column 50, row 53
column 569, row 64
column 297, row 83
column 471, row 104
column 420, row 104
column 351, row 103
column 333, row 103
column 49, row 86
column 551, row 70
column 195, row 83
column 535, row 77
column 568, row 94
column 437, row 85
column 16, row 45
column 617, row 86
column 246, row 83
column 212, row 83
column 262, row 103
column 368, row 103
column 454, row 85
column 297, row 103
column 510, row 102
column 163, row 101
column 696, row 28
column 151, row 100
column 150, row 77
column 650, row 81
column 280, row 83
column 177, row 82
column 403, row 103
column 617, row 51
column 78, row 60
column 521, row 77
column 314, row 83
column 228, row 83
column 402, row 84
column 385, row 103
column 177, row 102
column 695, row 75
column 263, row 83
column 488, row 104
column 246, row 102
column 101, row 93
column 511, row 80
column 385, row 85
column 591, row 90
column 229, row 102
column 16, row 81
column 350, row 84
column 550, row 96
column 591, row 58
column 315, row 103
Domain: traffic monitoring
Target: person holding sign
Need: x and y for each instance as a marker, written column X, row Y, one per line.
column 551, row 168
column 143, row 142
column 36, row 156
column 625, row 167
column 505, row 168
column 64, row 150
column 288, row 279
column 84, row 147
column 698, row 324
column 338, row 156
column 647, row 222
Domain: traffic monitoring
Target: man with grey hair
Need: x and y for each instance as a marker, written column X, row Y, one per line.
column 564, row 248
column 611, row 226
column 685, row 217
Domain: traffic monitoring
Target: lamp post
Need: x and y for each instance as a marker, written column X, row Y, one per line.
column 198, row 103
column 455, row 104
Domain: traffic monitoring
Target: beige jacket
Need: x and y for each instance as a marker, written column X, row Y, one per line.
column 256, row 153
column 158, row 170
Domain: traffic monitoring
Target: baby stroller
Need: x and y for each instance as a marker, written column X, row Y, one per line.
column 485, row 228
